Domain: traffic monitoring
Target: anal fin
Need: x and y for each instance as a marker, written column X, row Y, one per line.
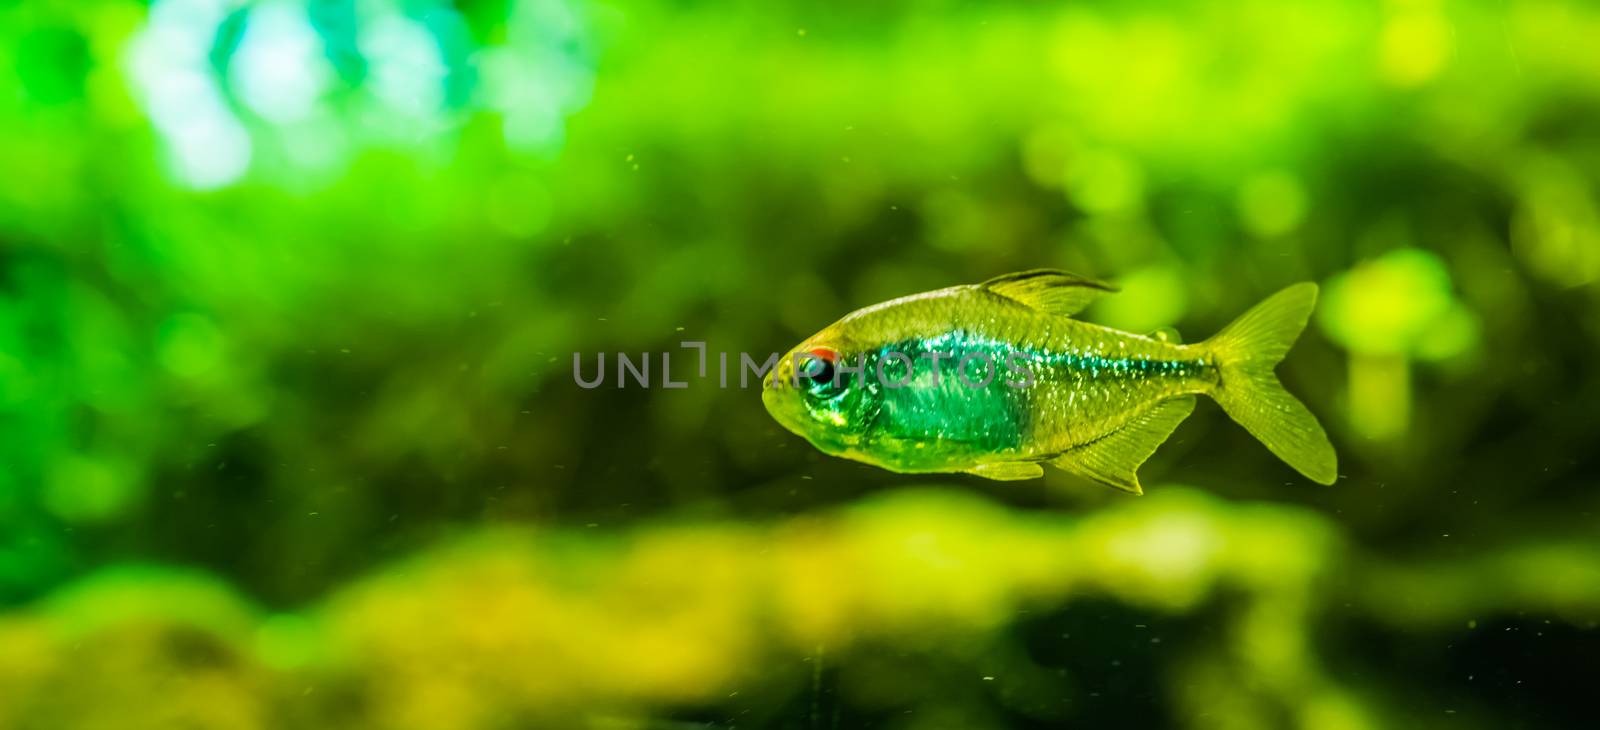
column 1114, row 459
column 1008, row 471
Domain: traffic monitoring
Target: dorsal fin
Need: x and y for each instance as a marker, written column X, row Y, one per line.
column 1114, row 459
column 1049, row 290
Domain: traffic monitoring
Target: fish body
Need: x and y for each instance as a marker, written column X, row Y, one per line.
column 997, row 378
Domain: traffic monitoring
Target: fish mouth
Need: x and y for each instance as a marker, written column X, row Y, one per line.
column 783, row 403
column 774, row 393
column 798, row 422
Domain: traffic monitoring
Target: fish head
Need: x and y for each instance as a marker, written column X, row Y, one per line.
column 815, row 392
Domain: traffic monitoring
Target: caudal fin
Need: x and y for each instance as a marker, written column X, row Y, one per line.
column 1249, row 391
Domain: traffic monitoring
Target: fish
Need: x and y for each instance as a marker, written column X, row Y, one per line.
column 1001, row 378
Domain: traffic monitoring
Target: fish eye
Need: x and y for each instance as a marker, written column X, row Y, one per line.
column 819, row 374
column 820, row 371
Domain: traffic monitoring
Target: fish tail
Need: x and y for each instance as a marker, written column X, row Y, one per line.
column 1246, row 352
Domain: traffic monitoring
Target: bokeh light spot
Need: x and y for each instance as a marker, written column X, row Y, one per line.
column 191, row 346
column 1102, row 181
column 1152, row 298
column 170, row 65
column 279, row 69
column 1415, row 43
column 406, row 71
column 89, row 489
column 1389, row 305
column 1272, row 203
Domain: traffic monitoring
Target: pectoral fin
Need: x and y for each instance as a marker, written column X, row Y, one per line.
column 1048, row 290
column 1114, row 459
column 1008, row 471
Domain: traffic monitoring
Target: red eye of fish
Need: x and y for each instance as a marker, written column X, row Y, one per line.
column 824, row 354
column 817, row 366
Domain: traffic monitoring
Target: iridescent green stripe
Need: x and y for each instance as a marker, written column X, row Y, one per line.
column 996, row 417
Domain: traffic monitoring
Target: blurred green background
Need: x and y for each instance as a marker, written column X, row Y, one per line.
column 290, row 290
